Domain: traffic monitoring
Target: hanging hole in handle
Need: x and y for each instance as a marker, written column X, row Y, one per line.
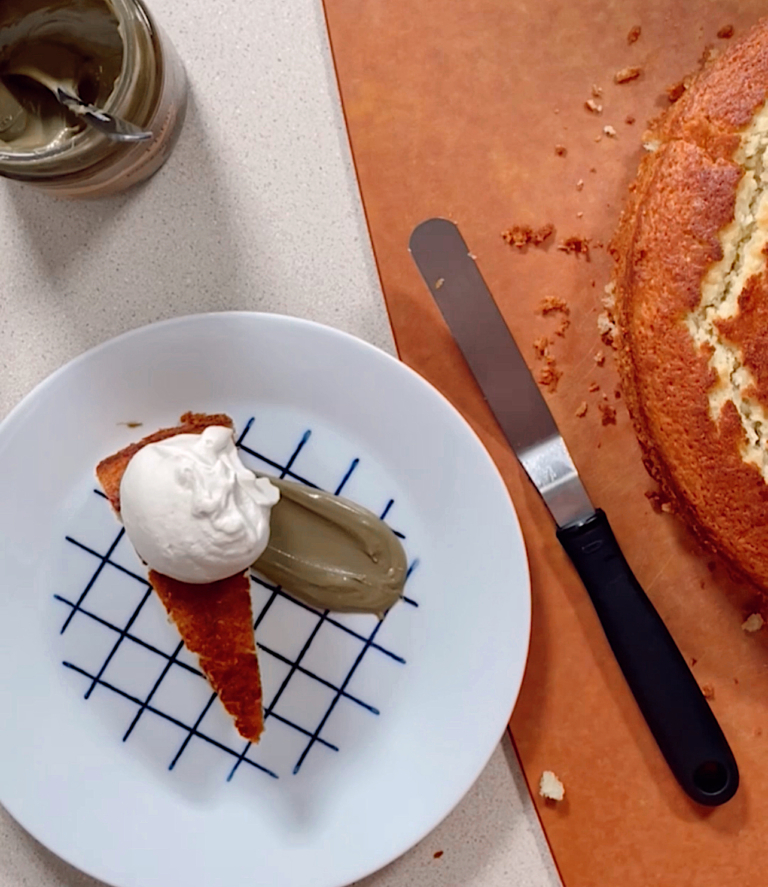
column 711, row 777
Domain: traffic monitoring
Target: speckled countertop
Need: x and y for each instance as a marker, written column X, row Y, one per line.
column 257, row 209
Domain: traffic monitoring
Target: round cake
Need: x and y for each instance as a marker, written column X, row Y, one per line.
column 691, row 304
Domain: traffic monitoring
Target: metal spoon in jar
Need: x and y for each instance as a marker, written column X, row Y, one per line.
column 65, row 92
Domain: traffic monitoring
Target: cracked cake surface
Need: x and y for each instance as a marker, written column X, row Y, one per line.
column 691, row 304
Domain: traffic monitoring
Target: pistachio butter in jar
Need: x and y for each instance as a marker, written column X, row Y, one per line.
column 113, row 56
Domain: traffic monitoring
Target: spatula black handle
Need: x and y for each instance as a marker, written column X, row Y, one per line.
column 672, row 704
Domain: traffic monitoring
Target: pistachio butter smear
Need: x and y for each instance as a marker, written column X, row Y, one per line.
column 332, row 553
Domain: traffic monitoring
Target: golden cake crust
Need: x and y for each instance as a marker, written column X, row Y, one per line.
column 668, row 239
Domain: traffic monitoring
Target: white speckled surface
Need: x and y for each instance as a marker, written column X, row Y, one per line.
column 257, row 209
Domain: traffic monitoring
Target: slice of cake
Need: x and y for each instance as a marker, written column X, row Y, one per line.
column 215, row 619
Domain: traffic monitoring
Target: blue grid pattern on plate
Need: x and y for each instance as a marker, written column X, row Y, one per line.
column 168, row 661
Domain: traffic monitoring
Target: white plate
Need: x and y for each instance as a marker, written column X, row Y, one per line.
column 379, row 729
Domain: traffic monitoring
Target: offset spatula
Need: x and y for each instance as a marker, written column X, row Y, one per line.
column 665, row 690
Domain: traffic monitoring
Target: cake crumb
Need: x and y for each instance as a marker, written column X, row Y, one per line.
column 657, row 503
column 561, row 150
column 617, row 393
column 726, row 32
column 581, row 410
column 598, row 138
column 131, row 424
column 654, row 497
column 667, row 507
column 522, row 235
column 593, row 169
column 708, row 691
column 675, row 91
column 550, row 375
column 541, row 347
column 607, row 328
column 564, row 324
column 625, row 75
column 577, row 246
column 694, row 660
column 600, row 356
column 550, row 787
column 579, row 215
column 709, row 54
column 634, row 34
column 609, row 131
column 439, row 282
column 609, row 299
column 552, row 305
column 593, row 106
column 437, row 854
column 597, row 91
column 593, row 387
column 753, row 623
column 580, row 185
column 608, row 414
column 541, row 234
column 629, row 120
column 517, row 235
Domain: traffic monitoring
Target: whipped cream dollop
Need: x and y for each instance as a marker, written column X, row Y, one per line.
column 192, row 510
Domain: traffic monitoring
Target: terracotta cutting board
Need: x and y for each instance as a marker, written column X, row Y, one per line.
column 457, row 110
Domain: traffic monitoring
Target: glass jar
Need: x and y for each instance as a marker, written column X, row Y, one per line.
column 150, row 91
